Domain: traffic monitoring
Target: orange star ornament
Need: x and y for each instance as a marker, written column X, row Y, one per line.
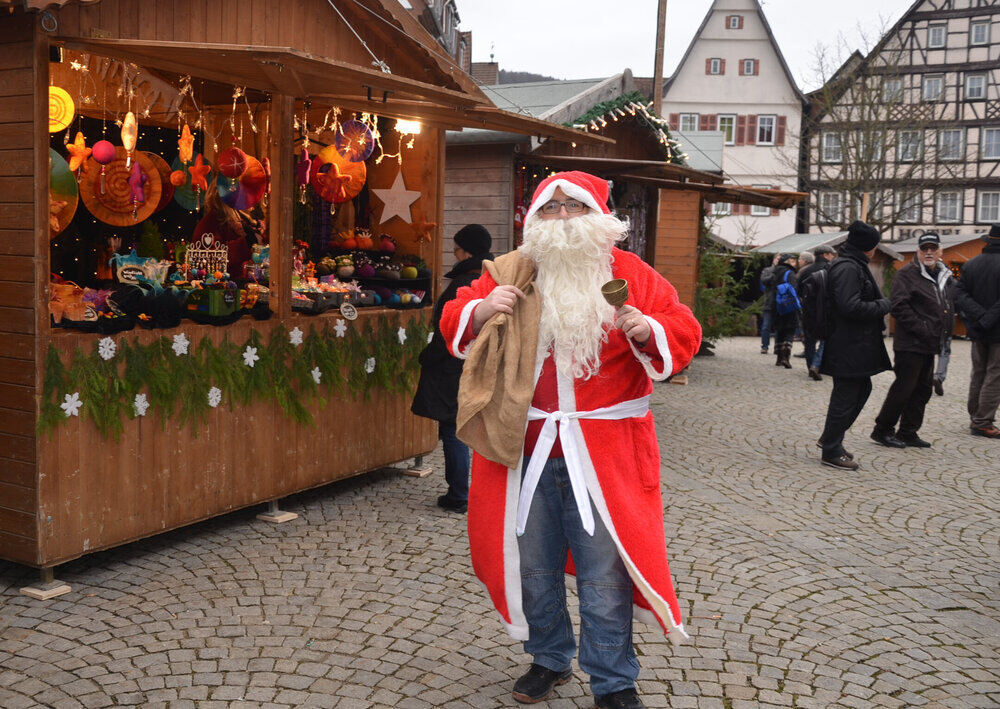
column 186, row 145
column 199, row 172
column 78, row 152
column 423, row 229
column 334, row 182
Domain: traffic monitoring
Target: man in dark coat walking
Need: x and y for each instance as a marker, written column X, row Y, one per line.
column 784, row 323
column 822, row 256
column 855, row 350
column 922, row 307
column 977, row 294
column 437, row 392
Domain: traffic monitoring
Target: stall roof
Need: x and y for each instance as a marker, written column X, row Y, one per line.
column 797, row 243
column 909, row 246
column 537, row 97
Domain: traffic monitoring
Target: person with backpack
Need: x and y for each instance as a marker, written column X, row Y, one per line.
column 809, row 295
column 854, row 350
column 923, row 309
column 767, row 314
column 786, row 307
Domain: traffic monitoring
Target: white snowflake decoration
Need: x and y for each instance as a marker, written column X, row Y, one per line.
column 71, row 404
column 295, row 336
column 369, row 365
column 401, row 334
column 250, row 356
column 214, row 396
column 140, row 405
column 317, row 375
column 340, row 328
column 180, row 345
column 106, row 348
column 430, row 336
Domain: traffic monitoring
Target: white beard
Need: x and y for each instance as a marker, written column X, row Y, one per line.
column 573, row 258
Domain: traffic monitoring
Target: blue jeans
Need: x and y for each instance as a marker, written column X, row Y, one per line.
column 766, row 321
column 817, row 360
column 603, row 584
column 456, row 462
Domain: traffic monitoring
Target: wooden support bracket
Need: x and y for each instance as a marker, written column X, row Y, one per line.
column 418, row 469
column 47, row 587
column 275, row 515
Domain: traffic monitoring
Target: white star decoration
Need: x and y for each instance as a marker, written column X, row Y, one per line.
column 71, row 404
column 250, row 356
column 401, row 334
column 214, row 396
column 397, row 200
column 295, row 336
column 317, row 375
column 140, row 405
column 369, row 365
column 340, row 328
column 106, row 348
column 180, row 345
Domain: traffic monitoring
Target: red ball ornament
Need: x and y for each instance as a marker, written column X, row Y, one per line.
column 232, row 162
column 103, row 152
column 178, row 178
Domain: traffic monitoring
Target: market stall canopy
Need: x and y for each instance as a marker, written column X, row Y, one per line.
column 797, row 243
column 670, row 176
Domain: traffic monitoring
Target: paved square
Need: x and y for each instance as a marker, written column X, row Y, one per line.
column 802, row 586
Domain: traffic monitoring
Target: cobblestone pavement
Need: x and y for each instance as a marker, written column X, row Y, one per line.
column 802, row 586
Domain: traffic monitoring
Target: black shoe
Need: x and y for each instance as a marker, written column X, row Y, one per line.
column 842, row 462
column 939, row 387
column 625, row 699
column 819, row 444
column 764, row 350
column 814, row 374
column 537, row 683
column 914, row 441
column 888, row 440
column 446, row 503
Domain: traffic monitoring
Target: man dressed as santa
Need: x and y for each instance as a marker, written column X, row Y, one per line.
column 554, row 401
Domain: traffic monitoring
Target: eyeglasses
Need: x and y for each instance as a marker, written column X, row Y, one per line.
column 929, row 247
column 572, row 206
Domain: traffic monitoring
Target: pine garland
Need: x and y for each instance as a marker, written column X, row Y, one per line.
column 176, row 387
column 655, row 123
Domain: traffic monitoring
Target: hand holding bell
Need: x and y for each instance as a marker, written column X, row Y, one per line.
column 627, row 318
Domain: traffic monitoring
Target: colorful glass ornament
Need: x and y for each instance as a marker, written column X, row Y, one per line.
column 354, row 140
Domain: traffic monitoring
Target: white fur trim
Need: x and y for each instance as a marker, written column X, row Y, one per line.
column 660, row 338
column 512, row 557
column 572, row 190
column 463, row 324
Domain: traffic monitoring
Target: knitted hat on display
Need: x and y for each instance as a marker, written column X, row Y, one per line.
column 863, row 236
column 475, row 239
column 582, row 186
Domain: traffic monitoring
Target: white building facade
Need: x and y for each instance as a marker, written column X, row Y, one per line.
column 734, row 79
column 936, row 130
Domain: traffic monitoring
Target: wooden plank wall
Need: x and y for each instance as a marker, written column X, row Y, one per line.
column 478, row 189
column 18, row 494
column 675, row 254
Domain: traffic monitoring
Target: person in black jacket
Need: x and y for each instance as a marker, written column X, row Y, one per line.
column 922, row 306
column 821, row 258
column 855, row 350
column 977, row 294
column 437, row 391
column 767, row 314
column 784, row 323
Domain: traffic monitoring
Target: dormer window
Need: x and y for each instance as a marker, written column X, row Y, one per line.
column 937, row 35
column 734, row 22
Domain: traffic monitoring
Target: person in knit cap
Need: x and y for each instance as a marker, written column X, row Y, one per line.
column 855, row 350
column 437, row 391
column 554, row 401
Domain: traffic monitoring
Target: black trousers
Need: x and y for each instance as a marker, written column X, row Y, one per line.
column 846, row 402
column 784, row 327
column 908, row 395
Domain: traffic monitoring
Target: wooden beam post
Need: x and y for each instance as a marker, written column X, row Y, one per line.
column 865, row 199
column 279, row 221
column 661, row 29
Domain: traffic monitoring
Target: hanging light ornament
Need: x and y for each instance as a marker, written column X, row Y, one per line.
column 103, row 153
column 130, row 132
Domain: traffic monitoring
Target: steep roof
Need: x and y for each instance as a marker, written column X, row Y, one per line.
column 770, row 36
column 537, row 97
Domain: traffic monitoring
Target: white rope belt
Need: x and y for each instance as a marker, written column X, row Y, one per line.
column 543, row 446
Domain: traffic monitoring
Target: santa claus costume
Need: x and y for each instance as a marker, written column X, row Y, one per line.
column 592, row 427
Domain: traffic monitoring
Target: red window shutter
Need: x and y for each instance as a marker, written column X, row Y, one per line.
column 703, row 121
column 713, row 121
column 741, row 130
column 741, row 21
column 751, row 130
column 779, row 139
column 756, row 67
column 722, row 69
column 675, row 121
column 742, row 65
column 708, row 66
column 728, row 18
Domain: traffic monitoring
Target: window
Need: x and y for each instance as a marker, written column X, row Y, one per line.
column 689, row 122
column 734, row 22
column 749, row 67
column 909, row 207
column 757, row 210
column 765, row 129
column 991, row 143
column 933, row 88
column 950, row 144
column 989, row 207
column 722, row 209
column 832, row 151
column 831, row 208
column 727, row 124
column 870, row 146
column 937, row 36
column 892, row 90
column 948, row 207
column 979, row 33
column 975, row 86
column 715, row 66
column 909, row 146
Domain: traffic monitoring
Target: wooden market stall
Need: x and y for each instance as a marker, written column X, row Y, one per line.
column 320, row 126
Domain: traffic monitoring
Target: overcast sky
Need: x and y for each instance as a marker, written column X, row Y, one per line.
column 594, row 38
